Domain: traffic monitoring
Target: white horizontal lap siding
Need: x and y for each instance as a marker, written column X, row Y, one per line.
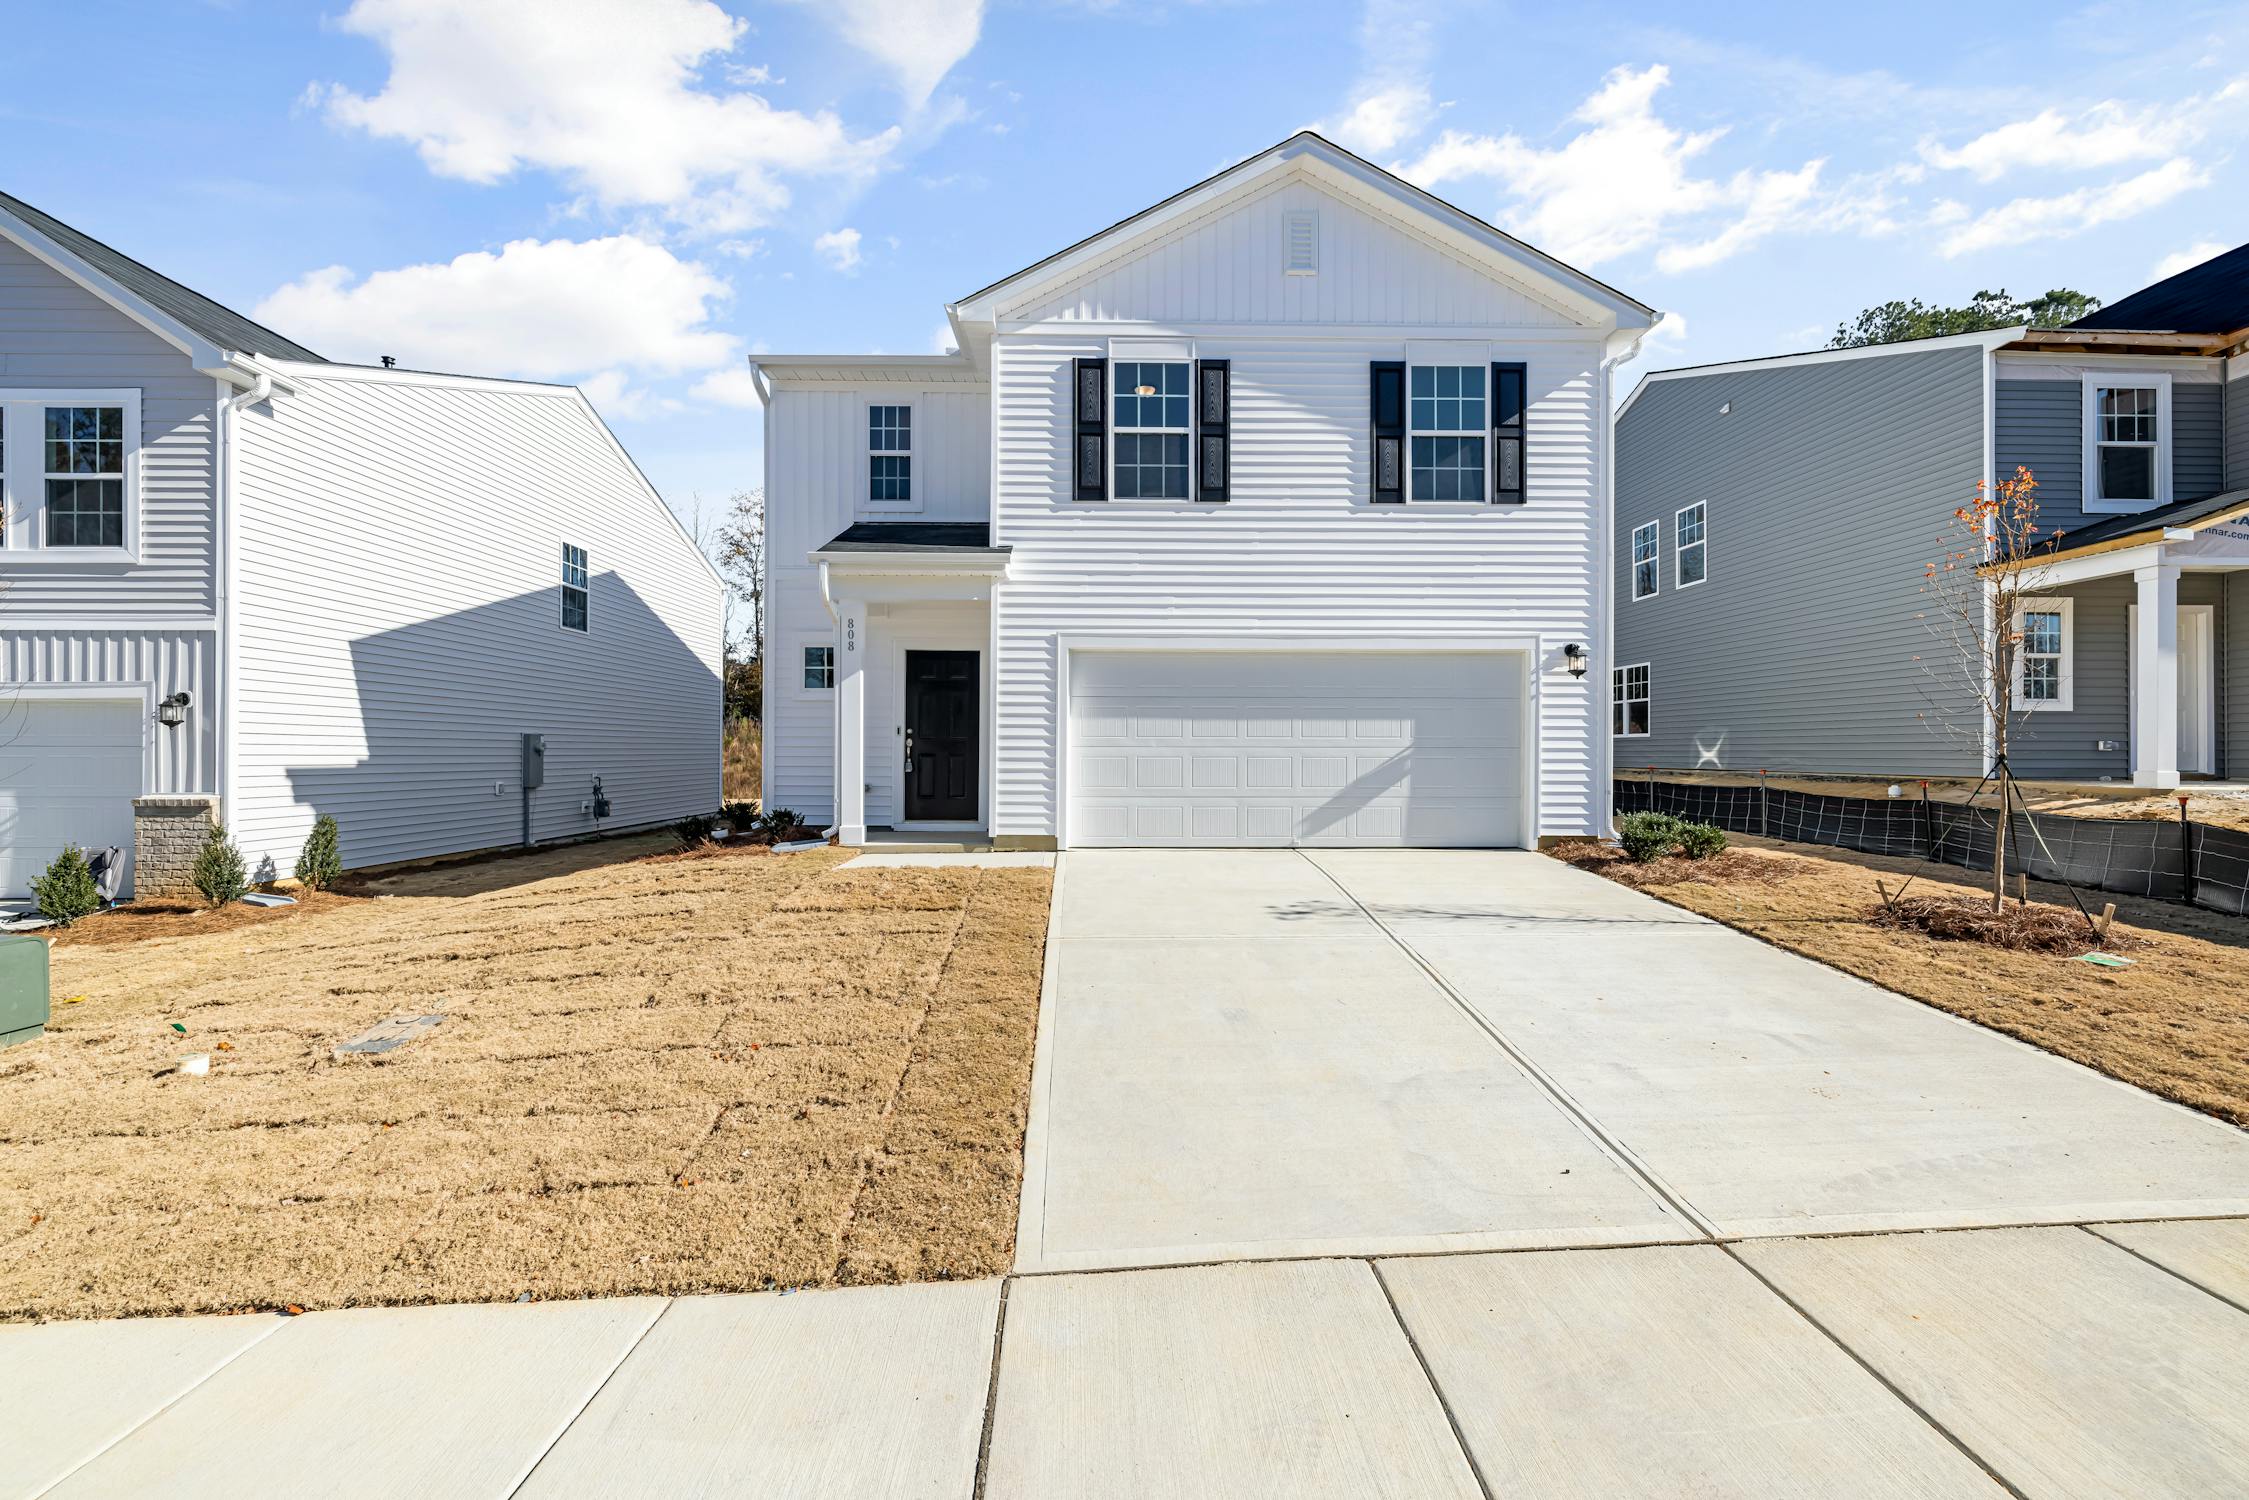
column 182, row 761
column 56, row 335
column 1296, row 551
column 800, row 734
column 817, row 460
column 398, row 621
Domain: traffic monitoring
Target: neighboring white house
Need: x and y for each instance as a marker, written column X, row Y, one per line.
column 237, row 580
column 1292, row 532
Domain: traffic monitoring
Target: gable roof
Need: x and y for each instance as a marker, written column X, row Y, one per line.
column 2212, row 297
column 1987, row 338
column 1309, row 147
column 220, row 326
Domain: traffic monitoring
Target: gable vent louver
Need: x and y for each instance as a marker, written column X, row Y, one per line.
column 1301, row 242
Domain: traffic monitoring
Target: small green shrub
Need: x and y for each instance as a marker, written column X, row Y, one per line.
column 1701, row 840
column 695, row 832
column 322, row 859
column 743, row 815
column 781, row 826
column 67, row 891
column 1648, row 835
column 219, row 872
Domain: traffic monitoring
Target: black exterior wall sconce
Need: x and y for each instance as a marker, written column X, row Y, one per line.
column 172, row 712
column 1574, row 655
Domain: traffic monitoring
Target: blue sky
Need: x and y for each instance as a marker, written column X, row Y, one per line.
column 636, row 194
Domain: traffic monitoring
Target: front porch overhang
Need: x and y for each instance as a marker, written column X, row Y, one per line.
column 2210, row 533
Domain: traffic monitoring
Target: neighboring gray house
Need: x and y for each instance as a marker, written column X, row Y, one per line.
column 1774, row 517
column 238, row 580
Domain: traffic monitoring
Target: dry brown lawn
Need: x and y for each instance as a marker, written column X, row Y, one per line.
column 742, row 760
column 2175, row 1022
column 678, row 1073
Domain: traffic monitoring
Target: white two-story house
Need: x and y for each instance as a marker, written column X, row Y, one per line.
column 239, row 582
column 1275, row 514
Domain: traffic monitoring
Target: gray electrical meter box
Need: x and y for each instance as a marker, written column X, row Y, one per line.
column 534, row 761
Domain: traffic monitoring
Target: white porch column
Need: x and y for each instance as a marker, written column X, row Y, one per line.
column 2155, row 678
column 851, row 721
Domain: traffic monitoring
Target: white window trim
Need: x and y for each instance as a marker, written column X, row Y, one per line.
column 2066, row 607
column 1471, row 358
column 794, row 665
column 1679, row 548
column 565, row 583
column 1632, row 562
column 2089, row 403
column 1616, row 697
column 1137, row 352
column 914, row 476
column 23, row 486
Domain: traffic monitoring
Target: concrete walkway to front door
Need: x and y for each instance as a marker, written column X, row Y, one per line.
column 1269, row 1054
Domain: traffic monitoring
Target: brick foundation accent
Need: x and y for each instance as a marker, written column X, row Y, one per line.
column 168, row 832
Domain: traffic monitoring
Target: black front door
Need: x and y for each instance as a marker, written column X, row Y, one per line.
column 941, row 731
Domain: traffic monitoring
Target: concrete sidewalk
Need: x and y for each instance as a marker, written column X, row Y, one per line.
column 1351, row 1175
column 2057, row 1361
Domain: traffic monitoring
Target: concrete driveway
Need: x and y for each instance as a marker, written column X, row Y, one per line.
column 1259, row 1054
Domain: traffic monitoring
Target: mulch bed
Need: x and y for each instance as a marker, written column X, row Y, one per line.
column 1732, row 867
column 2036, row 928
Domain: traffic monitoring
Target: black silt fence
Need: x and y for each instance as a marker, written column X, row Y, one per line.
column 2166, row 859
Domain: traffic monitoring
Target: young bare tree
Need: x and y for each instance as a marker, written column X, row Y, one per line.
column 741, row 559
column 1999, row 656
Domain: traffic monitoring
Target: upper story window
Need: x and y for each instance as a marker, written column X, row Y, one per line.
column 1153, row 424
column 1691, row 539
column 2127, row 441
column 573, row 587
column 1446, row 412
column 890, row 454
column 69, row 463
column 1647, row 549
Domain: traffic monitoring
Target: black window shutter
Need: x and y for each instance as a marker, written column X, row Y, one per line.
column 1214, row 397
column 1389, row 382
column 1092, row 426
column 1507, row 434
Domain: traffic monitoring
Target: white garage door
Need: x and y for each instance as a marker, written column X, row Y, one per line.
column 69, row 771
column 1286, row 748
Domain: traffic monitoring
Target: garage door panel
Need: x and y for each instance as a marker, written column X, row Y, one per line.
column 69, row 770
column 1233, row 749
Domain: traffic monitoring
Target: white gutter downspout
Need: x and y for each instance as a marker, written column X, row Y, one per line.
column 835, row 728
column 1604, row 580
column 225, row 461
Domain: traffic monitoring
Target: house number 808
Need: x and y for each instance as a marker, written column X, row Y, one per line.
column 850, row 635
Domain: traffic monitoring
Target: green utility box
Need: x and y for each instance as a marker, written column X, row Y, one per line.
column 23, row 989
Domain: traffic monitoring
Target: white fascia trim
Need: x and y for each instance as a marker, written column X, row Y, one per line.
column 855, row 564
column 2068, row 570
column 201, row 352
column 297, row 370
column 1989, row 339
column 1093, row 329
column 99, row 624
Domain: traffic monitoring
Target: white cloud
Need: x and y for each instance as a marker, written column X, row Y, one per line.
column 2181, row 260
column 2066, row 214
column 1625, row 182
column 1382, row 118
column 728, row 387
column 543, row 310
column 918, row 40
column 606, row 93
column 1391, row 105
column 2107, row 134
column 840, row 248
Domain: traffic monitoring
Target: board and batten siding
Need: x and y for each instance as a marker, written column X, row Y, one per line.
column 1226, row 267
column 2039, row 424
column 1297, row 550
column 399, row 622
column 1829, row 484
column 2058, row 746
column 2233, row 678
column 816, row 486
column 182, row 761
column 54, row 334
